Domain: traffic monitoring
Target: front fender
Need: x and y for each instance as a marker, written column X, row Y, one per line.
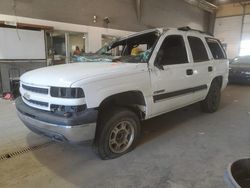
column 98, row 91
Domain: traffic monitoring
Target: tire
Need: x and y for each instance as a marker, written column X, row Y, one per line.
column 212, row 101
column 117, row 133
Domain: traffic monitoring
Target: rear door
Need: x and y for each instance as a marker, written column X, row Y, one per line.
column 203, row 66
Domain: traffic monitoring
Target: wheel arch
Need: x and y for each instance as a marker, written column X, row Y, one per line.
column 134, row 100
column 218, row 79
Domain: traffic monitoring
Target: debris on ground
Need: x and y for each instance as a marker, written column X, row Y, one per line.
column 8, row 96
column 201, row 133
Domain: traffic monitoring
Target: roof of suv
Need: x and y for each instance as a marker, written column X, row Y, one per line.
column 163, row 30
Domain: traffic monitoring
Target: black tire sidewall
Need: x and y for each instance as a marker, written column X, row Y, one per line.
column 208, row 104
column 111, row 120
column 215, row 89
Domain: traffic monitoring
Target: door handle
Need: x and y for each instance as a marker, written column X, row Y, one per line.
column 189, row 71
column 210, row 69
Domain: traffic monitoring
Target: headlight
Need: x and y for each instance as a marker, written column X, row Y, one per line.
column 63, row 92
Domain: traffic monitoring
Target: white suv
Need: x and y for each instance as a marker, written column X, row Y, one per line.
column 108, row 94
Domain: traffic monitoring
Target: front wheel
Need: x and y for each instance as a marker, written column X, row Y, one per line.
column 212, row 101
column 117, row 134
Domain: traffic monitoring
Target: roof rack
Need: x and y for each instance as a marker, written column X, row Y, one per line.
column 187, row 28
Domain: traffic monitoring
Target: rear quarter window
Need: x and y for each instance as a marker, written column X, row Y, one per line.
column 216, row 48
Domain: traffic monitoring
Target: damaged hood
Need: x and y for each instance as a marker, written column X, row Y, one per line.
column 67, row 74
column 93, row 58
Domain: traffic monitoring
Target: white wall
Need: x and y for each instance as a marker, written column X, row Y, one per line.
column 246, row 28
column 245, row 45
column 19, row 44
column 122, row 13
column 94, row 34
column 228, row 30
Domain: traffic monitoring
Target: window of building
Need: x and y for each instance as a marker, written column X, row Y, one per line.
column 245, row 48
column 62, row 46
column 77, row 43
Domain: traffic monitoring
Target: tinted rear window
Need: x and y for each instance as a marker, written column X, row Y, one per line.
column 216, row 49
column 198, row 49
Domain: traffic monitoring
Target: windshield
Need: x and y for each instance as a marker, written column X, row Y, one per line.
column 104, row 50
column 133, row 49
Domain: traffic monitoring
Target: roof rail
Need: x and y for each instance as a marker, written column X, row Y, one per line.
column 187, row 28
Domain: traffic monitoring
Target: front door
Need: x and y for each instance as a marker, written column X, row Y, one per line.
column 172, row 77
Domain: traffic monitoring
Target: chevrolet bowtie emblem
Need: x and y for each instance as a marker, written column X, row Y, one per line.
column 26, row 96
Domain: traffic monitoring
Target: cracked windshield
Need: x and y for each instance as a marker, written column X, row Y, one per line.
column 133, row 49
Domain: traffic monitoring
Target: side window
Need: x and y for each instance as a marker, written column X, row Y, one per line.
column 216, row 48
column 172, row 51
column 198, row 49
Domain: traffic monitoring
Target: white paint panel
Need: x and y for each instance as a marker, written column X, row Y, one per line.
column 21, row 44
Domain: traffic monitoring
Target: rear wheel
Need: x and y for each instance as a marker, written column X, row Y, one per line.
column 117, row 133
column 212, row 101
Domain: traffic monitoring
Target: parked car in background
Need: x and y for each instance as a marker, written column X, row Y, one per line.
column 239, row 70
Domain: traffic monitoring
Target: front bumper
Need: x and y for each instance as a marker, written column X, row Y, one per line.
column 77, row 128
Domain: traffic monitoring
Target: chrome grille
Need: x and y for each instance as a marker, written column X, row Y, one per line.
column 39, row 103
column 35, row 89
column 35, row 96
